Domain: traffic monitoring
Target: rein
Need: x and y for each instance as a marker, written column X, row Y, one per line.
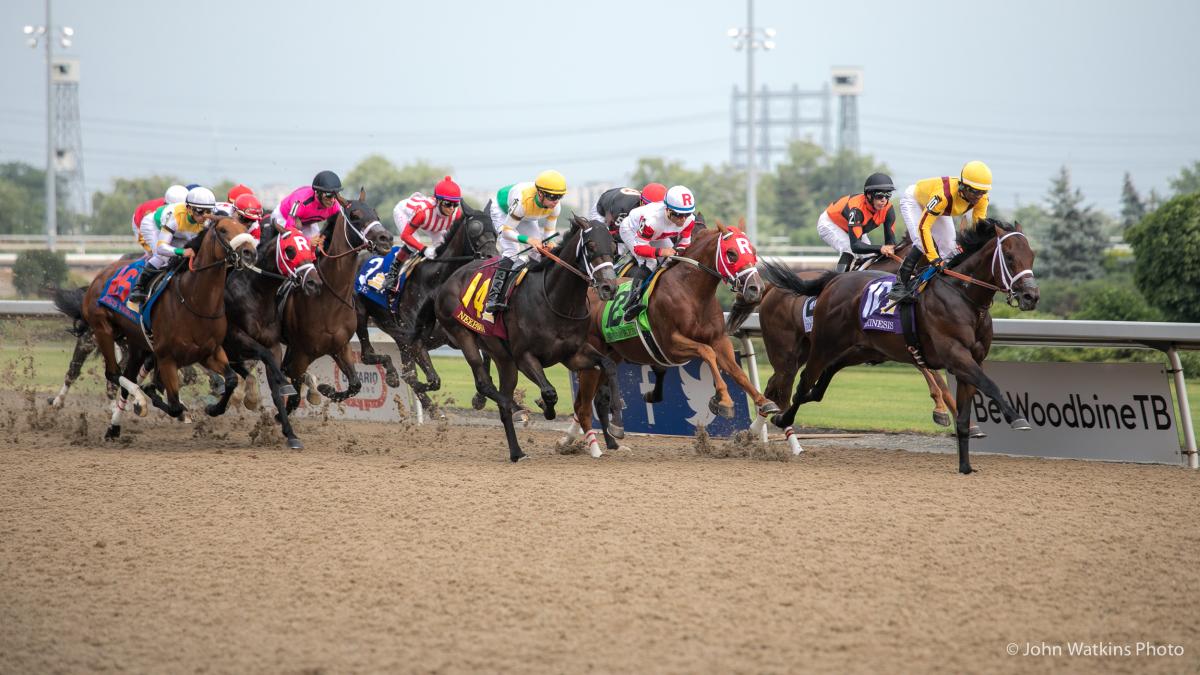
column 1007, row 278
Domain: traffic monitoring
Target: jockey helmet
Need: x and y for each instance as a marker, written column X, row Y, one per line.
column 175, row 194
column 447, row 190
column 680, row 200
column 551, row 182
column 237, row 191
column 976, row 174
column 878, row 182
column 201, row 198
column 327, row 181
column 653, row 192
column 249, row 207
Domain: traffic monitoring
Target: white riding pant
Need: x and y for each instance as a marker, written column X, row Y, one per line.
column 650, row 263
column 147, row 233
column 835, row 236
column 941, row 229
column 530, row 227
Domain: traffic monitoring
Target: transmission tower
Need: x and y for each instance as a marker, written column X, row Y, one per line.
column 848, row 84
column 68, row 151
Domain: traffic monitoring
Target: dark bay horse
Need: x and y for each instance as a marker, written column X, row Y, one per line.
column 413, row 326
column 547, row 321
column 782, row 323
column 188, row 321
column 254, row 329
column 687, row 323
column 953, row 322
column 322, row 324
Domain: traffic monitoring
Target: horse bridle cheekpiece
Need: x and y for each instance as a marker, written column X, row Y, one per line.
column 734, row 244
column 1006, row 277
column 361, row 233
column 581, row 255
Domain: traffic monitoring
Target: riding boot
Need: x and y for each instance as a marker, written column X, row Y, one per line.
column 844, row 261
column 141, row 288
column 641, row 276
column 904, row 289
column 497, row 299
column 392, row 278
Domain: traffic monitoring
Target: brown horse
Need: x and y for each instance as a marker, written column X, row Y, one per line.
column 187, row 322
column 782, row 324
column 686, row 322
column 322, row 324
column 952, row 318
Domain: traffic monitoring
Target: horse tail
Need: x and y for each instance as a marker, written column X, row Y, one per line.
column 778, row 275
column 69, row 301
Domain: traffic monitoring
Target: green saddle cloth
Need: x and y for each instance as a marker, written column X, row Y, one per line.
column 613, row 325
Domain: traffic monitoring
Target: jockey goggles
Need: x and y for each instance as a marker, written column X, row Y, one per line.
column 971, row 193
column 548, row 197
column 877, row 195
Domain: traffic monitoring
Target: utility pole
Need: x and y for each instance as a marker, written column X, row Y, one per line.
column 750, row 38
column 36, row 34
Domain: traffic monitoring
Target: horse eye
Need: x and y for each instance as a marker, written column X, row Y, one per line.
column 731, row 255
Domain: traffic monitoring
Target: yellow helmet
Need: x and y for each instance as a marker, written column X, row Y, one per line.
column 977, row 175
column 552, row 182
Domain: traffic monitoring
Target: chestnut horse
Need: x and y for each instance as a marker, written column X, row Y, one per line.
column 687, row 323
column 547, row 321
column 322, row 324
column 953, row 322
column 187, row 322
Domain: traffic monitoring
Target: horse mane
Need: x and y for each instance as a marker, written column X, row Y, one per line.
column 467, row 214
column 970, row 241
column 545, row 263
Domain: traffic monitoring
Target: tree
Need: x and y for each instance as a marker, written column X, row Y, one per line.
column 23, row 200
column 1167, row 246
column 808, row 181
column 1132, row 207
column 386, row 184
column 112, row 211
column 1188, row 180
column 34, row 271
column 720, row 191
column 1074, row 244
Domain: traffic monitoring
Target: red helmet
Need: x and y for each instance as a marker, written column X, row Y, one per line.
column 249, row 207
column 237, row 191
column 654, row 192
column 447, row 190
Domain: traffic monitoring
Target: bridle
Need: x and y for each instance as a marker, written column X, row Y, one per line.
column 362, row 235
column 588, row 275
column 1006, row 276
column 736, row 281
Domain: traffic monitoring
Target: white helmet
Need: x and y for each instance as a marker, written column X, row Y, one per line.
column 680, row 200
column 201, row 197
column 175, row 194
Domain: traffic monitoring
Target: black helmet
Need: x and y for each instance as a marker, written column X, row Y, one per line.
column 327, row 181
column 878, row 182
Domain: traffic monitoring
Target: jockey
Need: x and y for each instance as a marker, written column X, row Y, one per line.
column 657, row 230
column 857, row 215
column 249, row 212
column 928, row 209
column 227, row 207
column 179, row 224
column 145, row 228
column 614, row 205
column 523, row 214
column 309, row 206
column 432, row 216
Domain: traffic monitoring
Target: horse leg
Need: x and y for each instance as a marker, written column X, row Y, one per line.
column 581, row 423
column 345, row 363
column 941, row 415
column 122, row 398
column 602, row 404
column 484, row 387
column 218, row 362
column 367, row 353
column 508, row 383
column 728, row 363
column 84, row 346
column 528, row 364
column 960, row 364
column 656, row 395
column 682, row 346
column 478, row 400
column 295, row 365
column 962, row 424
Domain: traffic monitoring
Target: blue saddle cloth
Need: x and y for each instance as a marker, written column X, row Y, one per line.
column 120, row 285
column 369, row 283
column 875, row 312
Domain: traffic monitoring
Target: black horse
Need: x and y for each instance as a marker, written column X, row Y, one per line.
column 547, row 321
column 254, row 329
column 413, row 325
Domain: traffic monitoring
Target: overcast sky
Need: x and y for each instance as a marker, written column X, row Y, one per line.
column 273, row 91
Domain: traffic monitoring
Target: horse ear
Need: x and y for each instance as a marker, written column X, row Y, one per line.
column 742, row 223
column 721, row 227
column 579, row 220
column 1017, row 225
column 999, row 230
column 362, row 194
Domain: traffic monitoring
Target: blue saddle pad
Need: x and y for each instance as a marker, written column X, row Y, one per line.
column 120, row 285
column 369, row 283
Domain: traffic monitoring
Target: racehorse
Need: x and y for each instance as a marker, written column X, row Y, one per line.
column 413, row 326
column 953, row 323
column 547, row 320
column 781, row 321
column 254, row 330
column 187, row 324
column 320, row 325
column 686, row 322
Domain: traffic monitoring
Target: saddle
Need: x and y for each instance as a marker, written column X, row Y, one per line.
column 118, row 287
column 614, row 328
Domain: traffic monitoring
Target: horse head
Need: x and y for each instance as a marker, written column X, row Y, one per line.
column 292, row 256
column 478, row 230
column 1000, row 254
column 363, row 227
column 236, row 244
column 595, row 250
column 736, row 260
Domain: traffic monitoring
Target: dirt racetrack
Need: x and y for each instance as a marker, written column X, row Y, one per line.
column 386, row 548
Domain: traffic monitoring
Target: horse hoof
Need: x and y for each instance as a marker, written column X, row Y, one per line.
column 715, row 407
column 287, row 390
column 549, row 413
column 295, row 444
column 976, row 432
column 250, row 405
column 517, row 456
column 140, row 410
column 392, row 379
column 595, row 451
column 768, row 408
column 777, row 420
column 213, row 410
column 965, row 469
column 1020, row 424
column 941, row 418
column 326, row 390
column 616, row 430
column 478, row 401
column 112, row 433
column 314, row 397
